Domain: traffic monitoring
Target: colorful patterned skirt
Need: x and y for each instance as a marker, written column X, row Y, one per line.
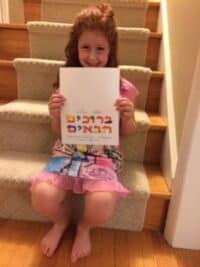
column 81, row 173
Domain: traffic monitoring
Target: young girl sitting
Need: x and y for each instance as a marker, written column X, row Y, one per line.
column 92, row 43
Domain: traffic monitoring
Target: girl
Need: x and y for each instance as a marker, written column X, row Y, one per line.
column 92, row 43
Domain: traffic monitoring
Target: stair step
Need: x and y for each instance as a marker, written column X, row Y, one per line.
column 3, row 102
column 31, row 122
column 32, row 12
column 8, row 84
column 15, row 43
column 157, row 205
column 15, row 177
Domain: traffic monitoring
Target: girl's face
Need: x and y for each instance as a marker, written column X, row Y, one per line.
column 93, row 49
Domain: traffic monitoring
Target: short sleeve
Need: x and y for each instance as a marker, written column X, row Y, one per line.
column 127, row 89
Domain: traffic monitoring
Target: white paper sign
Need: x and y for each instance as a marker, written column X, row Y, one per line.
column 89, row 115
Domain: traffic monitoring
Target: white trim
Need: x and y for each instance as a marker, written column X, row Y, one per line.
column 169, row 155
column 4, row 11
column 183, row 220
column 12, row 11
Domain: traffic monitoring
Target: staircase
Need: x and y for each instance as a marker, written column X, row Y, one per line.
column 23, row 50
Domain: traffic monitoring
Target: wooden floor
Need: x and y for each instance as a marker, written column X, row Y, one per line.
column 19, row 245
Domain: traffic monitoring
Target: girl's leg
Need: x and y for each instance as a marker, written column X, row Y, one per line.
column 99, row 207
column 48, row 201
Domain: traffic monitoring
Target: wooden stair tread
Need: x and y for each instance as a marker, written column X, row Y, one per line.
column 157, row 122
column 24, row 27
column 157, row 205
column 157, row 182
column 154, row 3
column 12, row 26
column 3, row 101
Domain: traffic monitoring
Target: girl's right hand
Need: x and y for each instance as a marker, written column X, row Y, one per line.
column 56, row 101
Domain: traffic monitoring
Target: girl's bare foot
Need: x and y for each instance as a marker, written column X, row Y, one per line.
column 51, row 240
column 82, row 244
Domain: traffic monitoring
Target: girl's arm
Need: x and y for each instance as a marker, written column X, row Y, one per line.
column 56, row 101
column 127, row 119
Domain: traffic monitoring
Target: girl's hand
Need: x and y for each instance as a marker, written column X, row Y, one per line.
column 56, row 101
column 125, row 108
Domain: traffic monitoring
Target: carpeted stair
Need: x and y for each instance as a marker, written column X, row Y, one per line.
column 130, row 12
column 132, row 42
column 25, row 134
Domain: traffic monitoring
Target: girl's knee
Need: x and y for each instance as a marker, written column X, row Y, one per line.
column 45, row 196
column 101, row 203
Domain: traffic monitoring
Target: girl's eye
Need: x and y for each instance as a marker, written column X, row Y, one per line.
column 85, row 47
column 100, row 48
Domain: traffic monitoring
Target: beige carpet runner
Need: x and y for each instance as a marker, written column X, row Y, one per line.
column 132, row 42
column 127, row 12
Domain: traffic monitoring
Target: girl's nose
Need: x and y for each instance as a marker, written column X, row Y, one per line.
column 92, row 55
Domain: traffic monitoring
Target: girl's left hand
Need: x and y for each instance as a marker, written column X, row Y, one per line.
column 125, row 107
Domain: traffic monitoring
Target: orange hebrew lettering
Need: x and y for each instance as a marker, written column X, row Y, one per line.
column 97, row 129
column 70, row 119
column 86, row 119
column 106, row 129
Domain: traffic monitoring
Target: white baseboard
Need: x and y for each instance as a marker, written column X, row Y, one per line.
column 169, row 154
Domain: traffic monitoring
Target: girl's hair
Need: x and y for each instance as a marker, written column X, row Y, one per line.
column 93, row 18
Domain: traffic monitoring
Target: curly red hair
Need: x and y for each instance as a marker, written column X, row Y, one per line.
column 93, row 18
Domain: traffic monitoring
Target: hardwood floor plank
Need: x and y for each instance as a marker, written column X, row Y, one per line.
column 107, row 245
column 20, row 247
column 148, row 251
column 121, row 249
column 96, row 257
column 163, row 253
column 63, row 253
column 135, row 249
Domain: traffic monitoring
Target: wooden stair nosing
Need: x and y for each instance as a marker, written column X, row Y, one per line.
column 15, row 43
column 32, row 12
column 157, row 205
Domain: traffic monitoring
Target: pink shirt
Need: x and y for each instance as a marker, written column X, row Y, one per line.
column 127, row 89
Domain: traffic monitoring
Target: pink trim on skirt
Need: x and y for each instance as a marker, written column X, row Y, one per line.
column 80, row 185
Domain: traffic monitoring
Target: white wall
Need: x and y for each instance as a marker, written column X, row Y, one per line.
column 183, row 220
column 183, row 43
column 180, row 25
column 184, row 39
column 169, row 154
column 4, row 17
